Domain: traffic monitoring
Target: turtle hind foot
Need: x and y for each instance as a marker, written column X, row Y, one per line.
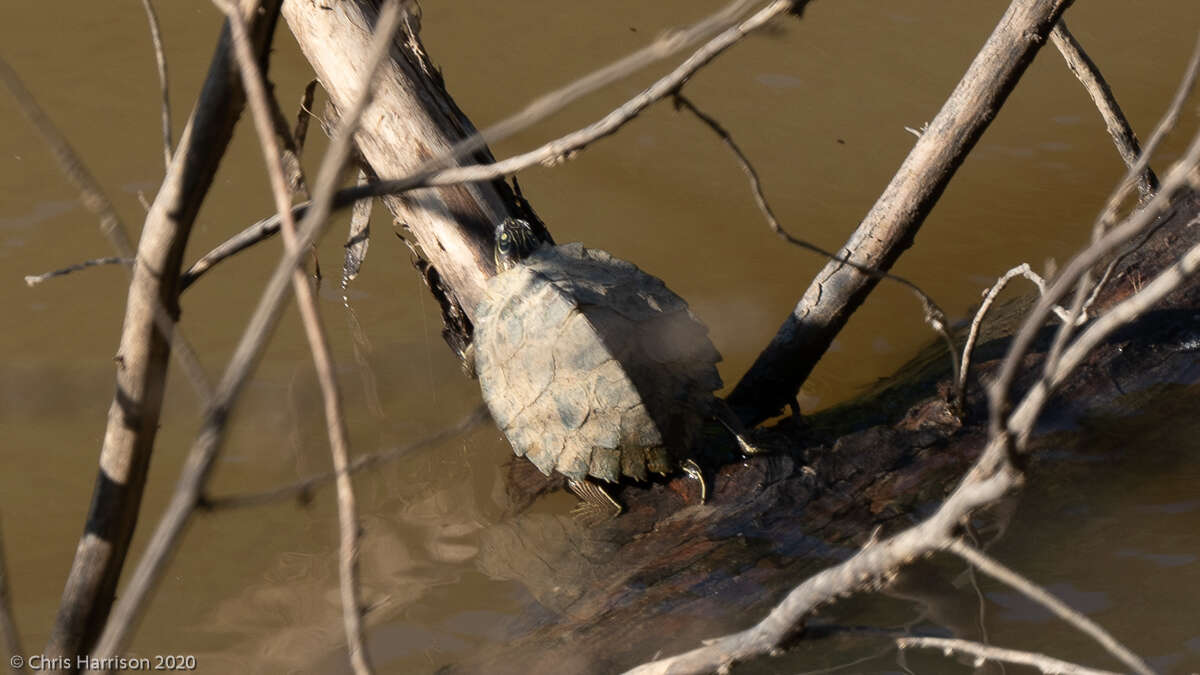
column 596, row 505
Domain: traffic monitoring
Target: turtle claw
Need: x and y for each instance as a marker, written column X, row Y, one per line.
column 725, row 416
column 744, row 444
column 596, row 505
column 467, row 361
column 692, row 469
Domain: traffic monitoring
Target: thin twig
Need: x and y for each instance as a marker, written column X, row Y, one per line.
column 35, row 279
column 551, row 102
column 566, row 146
column 339, row 439
column 1046, row 664
column 8, row 624
column 1119, row 315
column 1114, row 120
column 160, row 56
column 935, row 318
column 1023, row 270
column 303, row 489
column 999, row 572
column 201, row 457
column 258, row 232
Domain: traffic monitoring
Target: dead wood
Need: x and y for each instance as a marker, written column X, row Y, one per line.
column 670, row 573
column 890, row 226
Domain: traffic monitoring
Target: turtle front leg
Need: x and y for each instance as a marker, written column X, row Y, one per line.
column 596, row 505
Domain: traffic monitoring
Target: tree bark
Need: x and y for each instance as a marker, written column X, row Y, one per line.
column 411, row 120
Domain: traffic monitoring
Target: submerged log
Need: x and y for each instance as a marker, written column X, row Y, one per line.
column 671, row 573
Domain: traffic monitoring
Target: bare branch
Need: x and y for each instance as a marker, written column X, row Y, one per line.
column 565, row 147
column 258, row 232
column 35, row 279
column 898, row 213
column 8, row 624
column 551, row 102
column 303, row 489
column 1023, row 270
column 1164, row 126
column 935, row 318
column 202, row 455
column 428, row 175
column 1118, row 127
column 268, row 127
column 160, row 56
column 1046, row 664
column 999, row 572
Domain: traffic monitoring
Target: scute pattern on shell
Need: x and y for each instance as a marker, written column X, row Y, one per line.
column 591, row 366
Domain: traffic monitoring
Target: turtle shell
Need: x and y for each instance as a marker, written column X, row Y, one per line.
column 591, row 366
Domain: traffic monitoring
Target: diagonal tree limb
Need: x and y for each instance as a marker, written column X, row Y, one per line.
column 999, row 572
column 892, row 223
column 1114, row 120
column 134, row 414
column 935, row 318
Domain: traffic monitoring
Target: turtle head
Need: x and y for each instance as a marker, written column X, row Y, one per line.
column 515, row 240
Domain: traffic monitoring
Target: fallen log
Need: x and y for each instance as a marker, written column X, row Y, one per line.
column 671, row 573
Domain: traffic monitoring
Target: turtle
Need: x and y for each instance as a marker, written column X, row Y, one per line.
column 591, row 366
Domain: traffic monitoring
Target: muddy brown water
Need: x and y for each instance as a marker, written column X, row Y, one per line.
column 820, row 105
